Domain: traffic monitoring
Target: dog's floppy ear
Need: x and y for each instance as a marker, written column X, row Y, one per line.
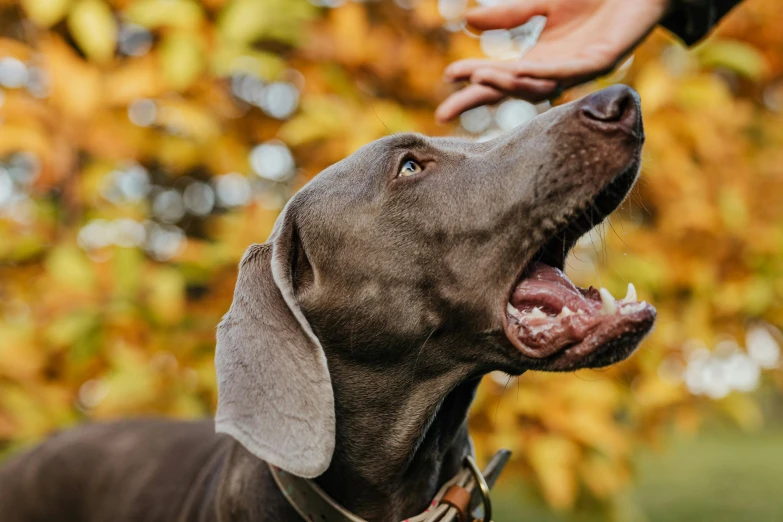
column 274, row 392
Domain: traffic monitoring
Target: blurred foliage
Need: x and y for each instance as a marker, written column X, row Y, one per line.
column 145, row 144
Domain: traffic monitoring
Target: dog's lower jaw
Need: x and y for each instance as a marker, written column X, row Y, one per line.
column 385, row 475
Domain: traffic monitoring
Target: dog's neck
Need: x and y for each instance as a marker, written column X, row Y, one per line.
column 396, row 444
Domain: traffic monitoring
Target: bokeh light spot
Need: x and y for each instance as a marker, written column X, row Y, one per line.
column 272, row 160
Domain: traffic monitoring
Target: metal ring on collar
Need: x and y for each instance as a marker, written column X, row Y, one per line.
column 483, row 487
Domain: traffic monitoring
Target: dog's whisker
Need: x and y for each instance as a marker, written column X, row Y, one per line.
column 388, row 131
column 421, row 350
column 497, row 406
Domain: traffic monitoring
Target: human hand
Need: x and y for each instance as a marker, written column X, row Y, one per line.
column 583, row 39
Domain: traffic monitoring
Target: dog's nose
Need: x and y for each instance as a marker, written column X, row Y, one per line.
column 618, row 104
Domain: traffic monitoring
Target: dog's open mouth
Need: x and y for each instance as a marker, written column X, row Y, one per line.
column 547, row 316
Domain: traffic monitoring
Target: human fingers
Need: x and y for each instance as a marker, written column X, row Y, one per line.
column 505, row 16
column 465, row 99
column 531, row 89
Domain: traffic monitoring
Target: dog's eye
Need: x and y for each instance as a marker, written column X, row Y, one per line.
column 410, row 168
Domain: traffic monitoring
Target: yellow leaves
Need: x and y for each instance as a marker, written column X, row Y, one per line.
column 759, row 296
column 743, row 410
column 242, row 20
column 232, row 157
column 733, row 209
column 69, row 269
column 594, row 429
column 188, row 119
column 657, row 393
column 24, row 136
column 562, row 428
column 323, row 117
column 178, row 154
column 235, row 232
column 165, row 289
column 91, row 24
column 554, row 460
column 655, row 87
column 46, row 13
column 245, row 21
column 735, row 55
column 174, row 14
column 230, row 58
column 130, row 385
column 23, row 406
column 602, row 476
column 71, row 331
column 187, row 406
column 128, row 268
column 703, row 92
column 181, row 56
column 319, row 118
column 701, row 237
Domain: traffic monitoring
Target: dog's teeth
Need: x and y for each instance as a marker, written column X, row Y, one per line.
column 565, row 312
column 536, row 312
column 512, row 311
column 632, row 308
column 608, row 304
column 630, row 296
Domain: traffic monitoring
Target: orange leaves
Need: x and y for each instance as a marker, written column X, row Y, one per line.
column 76, row 85
column 113, row 275
column 351, row 34
column 131, row 80
column 554, row 460
column 20, row 358
column 560, row 427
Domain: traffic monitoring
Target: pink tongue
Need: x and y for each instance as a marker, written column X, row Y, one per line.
column 548, row 288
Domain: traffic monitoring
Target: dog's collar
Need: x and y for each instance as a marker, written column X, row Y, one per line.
column 454, row 502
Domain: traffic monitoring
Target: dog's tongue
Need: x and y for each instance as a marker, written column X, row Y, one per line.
column 547, row 313
column 548, row 289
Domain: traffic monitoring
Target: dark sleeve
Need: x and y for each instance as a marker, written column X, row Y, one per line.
column 691, row 20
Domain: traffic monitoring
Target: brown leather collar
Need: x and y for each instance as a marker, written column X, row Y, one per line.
column 464, row 498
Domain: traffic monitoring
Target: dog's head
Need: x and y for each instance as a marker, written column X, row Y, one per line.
column 412, row 241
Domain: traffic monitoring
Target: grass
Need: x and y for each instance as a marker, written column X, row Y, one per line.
column 720, row 477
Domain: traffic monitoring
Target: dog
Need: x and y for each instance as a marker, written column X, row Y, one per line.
column 358, row 333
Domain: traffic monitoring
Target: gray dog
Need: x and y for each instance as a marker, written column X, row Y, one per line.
column 359, row 331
